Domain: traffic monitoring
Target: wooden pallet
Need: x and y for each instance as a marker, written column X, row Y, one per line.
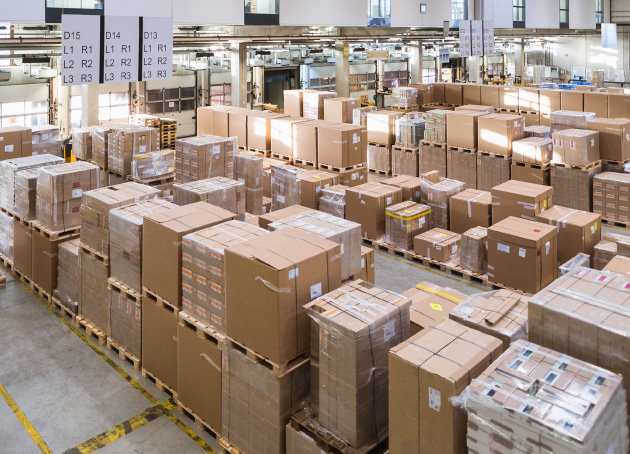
column 332, row 168
column 56, row 234
column 405, row 148
column 405, row 109
column 125, row 291
column 380, row 172
column 16, row 216
column 24, row 278
column 496, row 286
column 199, row 423
column 63, row 309
column 6, row 262
column 124, row 354
column 157, row 299
column 615, row 163
column 528, row 112
column 202, row 329
column 616, row 223
column 41, row 292
column 226, row 448
column 159, row 384
column 304, row 163
column 571, row 166
column 91, row 329
column 532, row 166
column 117, row 174
column 277, row 369
column 154, row 181
column 281, row 157
column 443, row 146
column 512, row 111
column 94, row 254
column 494, row 155
column 463, row 150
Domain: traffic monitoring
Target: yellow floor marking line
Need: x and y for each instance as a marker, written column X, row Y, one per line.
column 39, row 441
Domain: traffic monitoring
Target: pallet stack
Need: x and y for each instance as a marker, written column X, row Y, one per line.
column 381, row 136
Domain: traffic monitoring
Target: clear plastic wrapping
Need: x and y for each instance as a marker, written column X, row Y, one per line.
column 502, row 314
column 575, row 147
column 94, row 303
column 568, row 119
column 352, row 330
column 405, row 161
column 82, row 143
column 405, row 97
column 474, row 251
column 404, row 221
column 154, row 164
column 333, row 201
column 223, row 192
column 256, row 404
column 6, row 236
column 203, row 270
column 542, row 132
column 46, row 140
column 95, row 208
column 313, row 103
column 68, row 290
column 26, row 186
column 199, row 158
column 535, row 400
column 439, row 245
column 285, row 188
column 435, row 128
column 60, row 190
column 100, row 145
column 533, row 150
column 248, row 168
column 125, row 142
column 125, row 237
column 437, row 196
column 333, row 228
column 579, row 260
column 125, row 326
column 410, row 129
column 359, row 115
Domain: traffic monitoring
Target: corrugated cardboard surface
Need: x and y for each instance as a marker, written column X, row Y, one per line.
column 430, row 304
column 44, row 260
column 470, row 208
column 530, row 174
column 474, row 250
column 520, row 199
column 159, row 341
column 573, row 188
column 94, row 304
column 125, row 322
column 437, row 244
column 366, row 204
column 462, row 166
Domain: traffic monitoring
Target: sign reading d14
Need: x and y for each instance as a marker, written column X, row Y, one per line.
column 157, row 48
column 80, row 49
column 120, row 49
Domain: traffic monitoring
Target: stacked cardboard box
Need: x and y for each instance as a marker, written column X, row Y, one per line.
column 359, row 115
column 125, row 321
column 405, row 97
column 474, row 250
column 345, row 233
column 533, row 150
column 249, row 171
column 381, row 127
column 215, row 120
column 68, row 291
column 353, row 177
column 46, row 141
column 462, row 166
column 405, row 161
column 619, row 264
column 608, row 248
column 82, row 143
column 569, row 119
column 95, row 209
column 152, row 165
column 333, row 200
column 433, row 158
column 366, row 205
column 610, row 196
column 522, row 254
column 497, row 132
column 462, row 128
column 277, row 215
column 94, row 302
column 614, row 138
column 340, row 110
column 17, row 142
column 60, row 190
column 425, row 373
column 293, row 186
column 475, row 108
column 573, row 187
column 306, row 140
column 341, row 145
column 430, row 305
column 437, row 196
column 368, row 266
column 541, row 132
column 410, row 129
column 26, row 187
column 520, row 199
column 282, row 135
column 198, row 158
column 101, row 143
column 533, row 399
column 294, row 102
column 223, row 192
column 439, row 245
column 492, row 170
column 353, row 329
column 470, row 208
column 260, row 130
column 125, row 238
column 313, row 103
column 436, row 126
column 301, row 442
column 411, row 186
column 6, row 236
column 379, row 158
column 275, row 275
column 404, row 222
column 22, row 246
column 203, row 270
column 125, row 142
column 575, row 147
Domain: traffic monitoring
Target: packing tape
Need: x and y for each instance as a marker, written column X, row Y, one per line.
column 212, row 363
column 270, row 286
column 436, row 292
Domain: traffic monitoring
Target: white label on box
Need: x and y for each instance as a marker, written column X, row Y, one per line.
column 257, row 181
column 421, row 221
column 280, row 198
column 521, row 252
column 389, row 330
column 142, row 149
column 503, row 248
column 354, row 176
column 295, row 272
column 264, row 210
column 592, row 230
column 388, row 201
column 363, row 202
column 455, row 249
column 241, row 180
column 362, row 263
column 435, row 399
column 355, row 138
column 516, row 124
column 547, row 248
column 316, row 290
column 317, row 189
column 342, row 248
column 438, row 248
column 8, row 149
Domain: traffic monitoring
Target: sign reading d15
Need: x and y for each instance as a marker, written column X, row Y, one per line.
column 157, row 48
column 80, row 49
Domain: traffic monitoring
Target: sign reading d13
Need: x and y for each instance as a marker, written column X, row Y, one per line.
column 157, row 48
column 80, row 49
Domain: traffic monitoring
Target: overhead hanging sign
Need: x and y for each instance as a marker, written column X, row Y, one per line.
column 121, row 51
column 80, row 50
column 488, row 37
column 377, row 54
column 465, row 46
column 445, row 55
column 157, row 48
column 609, row 36
column 476, row 38
column 476, row 33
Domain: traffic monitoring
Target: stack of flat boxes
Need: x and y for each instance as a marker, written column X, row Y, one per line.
column 82, row 143
column 124, row 142
column 462, row 142
column 433, row 148
column 313, row 103
column 381, row 135
column 342, row 146
column 406, row 152
column 226, row 193
column 610, row 196
column 333, row 200
column 198, row 158
column 249, row 171
column 68, row 290
column 437, row 196
column 46, row 141
column 26, row 185
column 293, row 186
column 531, row 159
column 100, row 145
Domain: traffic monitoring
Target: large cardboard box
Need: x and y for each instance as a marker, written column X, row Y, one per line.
column 94, row 304
column 353, row 177
column 301, row 442
column 162, row 245
column 199, row 384
column 273, row 216
column 470, row 208
column 340, row 110
column 573, row 187
column 522, row 254
column 435, row 128
column 404, row 222
column 619, row 264
column 68, row 289
column 433, row 159
column 578, row 231
column 492, row 170
column 23, row 247
column 572, row 100
column 268, row 281
column 305, row 139
column 294, row 102
column 575, row 147
column 497, row 132
column 528, row 174
column 614, row 137
column 368, row 266
column 159, row 341
column 44, row 253
column 15, row 142
column 281, row 132
column 348, row 367
column 411, row 186
column 342, row 145
column 381, row 127
column 198, row 158
column 619, row 106
column 267, row 163
column 438, row 196
column 462, row 166
column 549, row 102
column 430, row 305
column 214, row 120
column 248, row 169
column 366, row 204
column 490, row 96
column 597, row 103
column 529, row 100
column 533, row 150
column 226, row 193
column 472, row 94
column 125, row 320
column 238, row 123
column 437, row 244
column 454, row 94
column 509, row 98
column 259, row 130
column 520, row 199
column 426, row 371
column 462, row 129
column 313, row 103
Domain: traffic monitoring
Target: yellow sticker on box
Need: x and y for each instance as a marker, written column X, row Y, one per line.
column 437, row 307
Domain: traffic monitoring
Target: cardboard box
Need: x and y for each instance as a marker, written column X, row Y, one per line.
column 82, row 143
column 301, row 442
column 124, row 141
column 347, row 366
column 293, row 186
column 199, row 374
column 490, row 96
column 222, row 192
column 313, row 103
column 533, row 150
column 437, row 196
column 294, row 102
column 614, row 137
column 529, row 100
column 259, row 130
column 492, row 170
column 368, row 266
column 267, row 163
column 462, row 166
column 474, row 250
column 578, row 231
column 572, row 100
column 44, row 253
column 381, row 127
column 379, row 158
column 271, row 323
column 273, row 216
column 94, row 304
column 162, row 245
column 462, row 128
column 125, row 320
column 436, row 123
column 531, row 119
column 68, row 289
column 198, row 158
column 470, row 208
column 305, row 139
column 430, row 305
column 17, row 142
column 597, row 103
column 46, row 140
column 249, row 171
column 238, row 124
column 522, row 254
column 366, row 205
column 520, row 199
column 549, row 102
column 159, row 341
column 353, row 177
column 405, row 161
column 433, row 158
column 475, row 108
column 454, row 94
column 573, row 188
column 619, row 264
column 437, row 244
column 340, row 110
column 281, row 131
column 342, row 145
column 214, row 120
column 426, row 371
column 23, row 247
column 619, row 106
column 509, row 98
column 528, row 174
column 411, row 186
column 471, row 94
column 570, row 119
column 404, row 222
column 497, row 132
column 575, row 147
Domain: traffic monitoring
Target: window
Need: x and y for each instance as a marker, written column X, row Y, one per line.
column 379, row 13
column 459, row 11
column 564, row 13
column 428, row 75
column 113, row 106
column 24, row 113
column 262, row 12
column 75, row 111
column 599, row 11
column 518, row 13
column 55, row 8
column 169, row 100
